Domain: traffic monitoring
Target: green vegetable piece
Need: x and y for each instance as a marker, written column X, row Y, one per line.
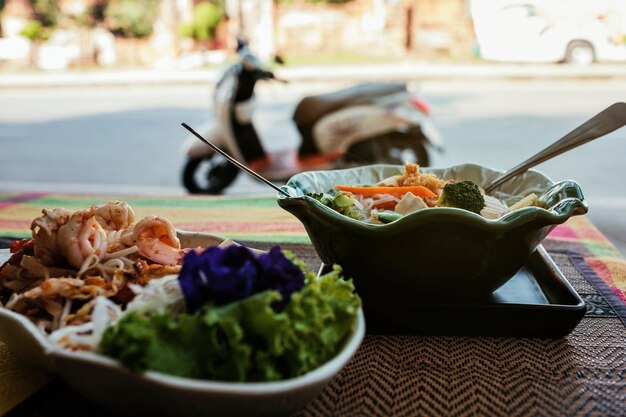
column 246, row 340
column 342, row 201
column 463, row 194
column 322, row 314
column 389, row 216
column 325, row 199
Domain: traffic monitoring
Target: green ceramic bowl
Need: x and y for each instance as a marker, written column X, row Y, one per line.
column 438, row 250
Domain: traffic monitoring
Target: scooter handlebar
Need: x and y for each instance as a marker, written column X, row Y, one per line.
column 268, row 75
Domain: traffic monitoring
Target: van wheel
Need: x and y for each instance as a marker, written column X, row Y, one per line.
column 208, row 174
column 580, row 53
column 394, row 148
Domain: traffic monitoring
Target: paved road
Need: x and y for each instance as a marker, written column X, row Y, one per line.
column 127, row 139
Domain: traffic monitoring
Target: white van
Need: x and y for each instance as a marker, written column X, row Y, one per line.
column 574, row 31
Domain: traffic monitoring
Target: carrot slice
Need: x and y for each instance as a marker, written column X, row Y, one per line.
column 387, row 205
column 417, row 190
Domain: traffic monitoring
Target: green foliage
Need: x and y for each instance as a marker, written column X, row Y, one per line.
column 46, row 12
column 94, row 15
column 205, row 20
column 132, row 18
column 35, row 31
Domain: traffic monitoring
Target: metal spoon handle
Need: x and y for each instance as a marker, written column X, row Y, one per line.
column 608, row 120
column 235, row 162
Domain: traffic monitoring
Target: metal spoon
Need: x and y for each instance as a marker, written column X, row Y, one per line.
column 235, row 162
column 608, row 120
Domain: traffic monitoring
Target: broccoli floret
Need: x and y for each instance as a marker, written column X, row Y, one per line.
column 463, row 194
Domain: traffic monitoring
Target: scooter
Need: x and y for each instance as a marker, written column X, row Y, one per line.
column 363, row 124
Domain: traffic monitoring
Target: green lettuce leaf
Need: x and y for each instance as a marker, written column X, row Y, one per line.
column 246, row 340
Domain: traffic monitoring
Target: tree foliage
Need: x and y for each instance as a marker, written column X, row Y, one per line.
column 35, row 31
column 132, row 18
column 206, row 17
column 46, row 12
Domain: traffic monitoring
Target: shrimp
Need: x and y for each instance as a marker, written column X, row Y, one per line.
column 114, row 215
column 156, row 239
column 44, row 231
column 82, row 239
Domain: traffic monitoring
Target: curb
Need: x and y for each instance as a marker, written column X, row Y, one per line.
column 372, row 72
column 408, row 72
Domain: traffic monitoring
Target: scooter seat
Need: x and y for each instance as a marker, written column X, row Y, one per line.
column 312, row 108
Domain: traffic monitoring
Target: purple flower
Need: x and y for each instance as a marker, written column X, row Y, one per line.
column 279, row 273
column 218, row 275
column 223, row 275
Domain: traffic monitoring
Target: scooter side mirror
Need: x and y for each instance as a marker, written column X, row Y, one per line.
column 279, row 59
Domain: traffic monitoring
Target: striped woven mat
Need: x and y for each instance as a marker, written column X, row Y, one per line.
column 582, row 374
column 252, row 218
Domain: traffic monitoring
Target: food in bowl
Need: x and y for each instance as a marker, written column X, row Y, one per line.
column 439, row 251
column 233, row 316
column 132, row 293
column 406, row 192
column 73, row 257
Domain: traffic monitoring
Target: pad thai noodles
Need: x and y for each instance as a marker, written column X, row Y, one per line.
column 73, row 257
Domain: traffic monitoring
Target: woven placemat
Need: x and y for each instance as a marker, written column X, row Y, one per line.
column 583, row 374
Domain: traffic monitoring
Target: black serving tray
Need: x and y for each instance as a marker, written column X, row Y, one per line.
column 537, row 302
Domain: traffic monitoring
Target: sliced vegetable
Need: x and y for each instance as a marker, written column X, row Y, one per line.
column 529, row 201
column 389, row 216
column 417, row 190
column 409, row 203
column 342, row 201
column 385, row 205
column 494, row 208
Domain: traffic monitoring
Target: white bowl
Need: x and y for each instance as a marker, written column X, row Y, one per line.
column 150, row 393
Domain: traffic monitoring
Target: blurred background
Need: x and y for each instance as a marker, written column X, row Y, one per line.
column 92, row 92
column 183, row 34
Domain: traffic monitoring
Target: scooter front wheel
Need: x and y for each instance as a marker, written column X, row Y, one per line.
column 208, row 174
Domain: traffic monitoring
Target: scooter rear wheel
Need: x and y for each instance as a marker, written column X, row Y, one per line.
column 208, row 174
column 390, row 148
